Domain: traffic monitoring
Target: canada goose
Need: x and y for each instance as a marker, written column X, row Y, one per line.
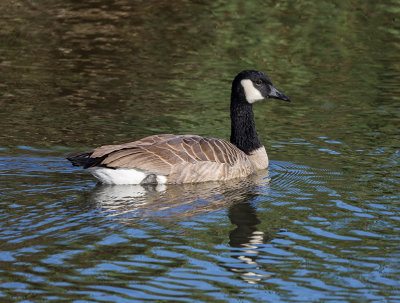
column 168, row 158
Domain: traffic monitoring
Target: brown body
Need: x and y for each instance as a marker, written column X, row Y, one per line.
column 180, row 158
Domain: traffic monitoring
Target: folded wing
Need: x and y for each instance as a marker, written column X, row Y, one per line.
column 183, row 158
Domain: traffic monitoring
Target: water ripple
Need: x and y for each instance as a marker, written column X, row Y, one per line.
column 295, row 230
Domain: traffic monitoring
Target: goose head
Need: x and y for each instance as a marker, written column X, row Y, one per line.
column 251, row 86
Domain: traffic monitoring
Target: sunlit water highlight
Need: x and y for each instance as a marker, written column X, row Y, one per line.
column 291, row 233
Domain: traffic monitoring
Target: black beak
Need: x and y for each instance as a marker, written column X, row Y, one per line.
column 276, row 94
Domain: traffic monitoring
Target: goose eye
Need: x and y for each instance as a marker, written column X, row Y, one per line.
column 259, row 82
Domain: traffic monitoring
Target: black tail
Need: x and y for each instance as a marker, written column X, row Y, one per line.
column 84, row 159
column 80, row 158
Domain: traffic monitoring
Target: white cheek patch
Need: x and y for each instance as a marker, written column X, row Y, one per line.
column 252, row 93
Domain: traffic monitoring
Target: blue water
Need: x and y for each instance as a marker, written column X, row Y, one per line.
column 294, row 233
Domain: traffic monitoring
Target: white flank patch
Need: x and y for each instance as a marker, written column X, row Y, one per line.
column 121, row 175
column 161, row 179
column 252, row 93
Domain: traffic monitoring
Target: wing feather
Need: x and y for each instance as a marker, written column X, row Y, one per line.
column 184, row 158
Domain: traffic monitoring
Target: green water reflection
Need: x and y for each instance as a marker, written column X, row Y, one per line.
column 75, row 75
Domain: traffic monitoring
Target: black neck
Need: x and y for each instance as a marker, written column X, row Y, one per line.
column 243, row 129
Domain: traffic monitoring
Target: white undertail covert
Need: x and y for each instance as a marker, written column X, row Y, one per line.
column 121, row 175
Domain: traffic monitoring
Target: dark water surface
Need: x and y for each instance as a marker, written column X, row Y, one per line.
column 322, row 224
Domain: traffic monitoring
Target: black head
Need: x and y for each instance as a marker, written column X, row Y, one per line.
column 252, row 86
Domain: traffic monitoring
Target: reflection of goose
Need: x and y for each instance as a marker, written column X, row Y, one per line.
column 177, row 202
column 189, row 158
column 249, row 274
column 246, row 240
column 168, row 202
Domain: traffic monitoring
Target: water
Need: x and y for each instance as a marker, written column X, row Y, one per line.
column 322, row 224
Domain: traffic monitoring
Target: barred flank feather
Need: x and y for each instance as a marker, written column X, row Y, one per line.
column 182, row 158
